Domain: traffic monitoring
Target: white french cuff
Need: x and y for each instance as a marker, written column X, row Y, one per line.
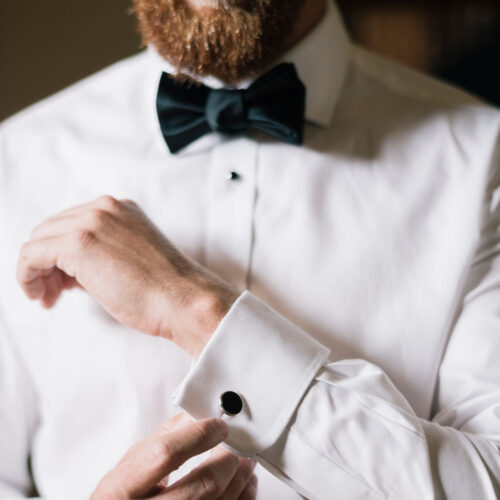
column 267, row 360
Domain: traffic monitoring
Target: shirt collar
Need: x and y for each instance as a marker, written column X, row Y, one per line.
column 321, row 60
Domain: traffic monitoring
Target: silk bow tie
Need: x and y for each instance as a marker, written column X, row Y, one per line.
column 274, row 103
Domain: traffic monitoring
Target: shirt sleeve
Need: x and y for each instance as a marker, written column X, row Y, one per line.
column 343, row 428
column 17, row 420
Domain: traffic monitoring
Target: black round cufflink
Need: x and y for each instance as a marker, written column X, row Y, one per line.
column 230, row 403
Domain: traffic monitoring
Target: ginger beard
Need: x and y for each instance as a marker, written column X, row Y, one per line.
column 230, row 39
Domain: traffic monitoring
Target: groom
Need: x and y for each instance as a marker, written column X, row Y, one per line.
column 320, row 239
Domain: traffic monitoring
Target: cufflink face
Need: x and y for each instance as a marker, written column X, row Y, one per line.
column 230, row 403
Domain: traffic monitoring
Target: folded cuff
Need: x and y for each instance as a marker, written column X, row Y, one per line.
column 264, row 358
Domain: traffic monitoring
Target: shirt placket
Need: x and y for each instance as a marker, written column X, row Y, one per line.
column 231, row 199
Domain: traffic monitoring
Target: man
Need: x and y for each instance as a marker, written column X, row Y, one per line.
column 360, row 362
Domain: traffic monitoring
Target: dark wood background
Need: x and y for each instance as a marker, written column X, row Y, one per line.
column 46, row 45
column 457, row 40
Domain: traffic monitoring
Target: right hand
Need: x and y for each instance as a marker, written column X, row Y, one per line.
column 143, row 471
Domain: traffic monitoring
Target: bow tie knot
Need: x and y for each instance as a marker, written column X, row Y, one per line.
column 225, row 111
column 274, row 103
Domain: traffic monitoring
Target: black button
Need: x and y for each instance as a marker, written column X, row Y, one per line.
column 231, row 403
column 232, row 175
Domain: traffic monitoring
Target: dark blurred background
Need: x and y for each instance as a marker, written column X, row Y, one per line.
column 46, row 45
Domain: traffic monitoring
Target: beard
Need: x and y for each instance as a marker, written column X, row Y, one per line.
column 228, row 39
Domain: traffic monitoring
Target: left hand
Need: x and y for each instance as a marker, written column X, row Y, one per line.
column 112, row 250
column 143, row 472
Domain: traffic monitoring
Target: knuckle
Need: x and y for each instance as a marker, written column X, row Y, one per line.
column 97, row 217
column 233, row 461
column 199, row 432
column 247, row 467
column 241, row 477
column 107, row 202
column 83, row 238
column 210, row 483
column 227, row 495
column 165, row 454
column 204, row 429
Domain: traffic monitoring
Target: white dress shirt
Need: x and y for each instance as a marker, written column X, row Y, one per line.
column 366, row 340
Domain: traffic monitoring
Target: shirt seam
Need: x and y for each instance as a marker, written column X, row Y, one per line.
column 329, row 459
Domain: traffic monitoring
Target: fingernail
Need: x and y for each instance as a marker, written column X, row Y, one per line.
column 221, row 428
column 254, row 481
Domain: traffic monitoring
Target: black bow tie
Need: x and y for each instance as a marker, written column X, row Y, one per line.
column 274, row 103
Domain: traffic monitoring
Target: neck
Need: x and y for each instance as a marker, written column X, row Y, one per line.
column 310, row 14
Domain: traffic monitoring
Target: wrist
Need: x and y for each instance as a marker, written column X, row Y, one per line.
column 197, row 315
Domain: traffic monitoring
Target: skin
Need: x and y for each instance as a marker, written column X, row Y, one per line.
column 232, row 41
column 109, row 248
column 143, row 471
column 309, row 15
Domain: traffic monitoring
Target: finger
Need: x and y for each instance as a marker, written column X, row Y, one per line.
column 207, row 481
column 250, row 491
column 240, row 480
column 53, row 288
column 89, row 216
column 41, row 255
column 54, row 281
column 55, row 284
column 91, row 219
column 105, row 202
column 176, row 422
column 54, row 226
column 72, row 210
column 69, row 282
column 164, row 453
